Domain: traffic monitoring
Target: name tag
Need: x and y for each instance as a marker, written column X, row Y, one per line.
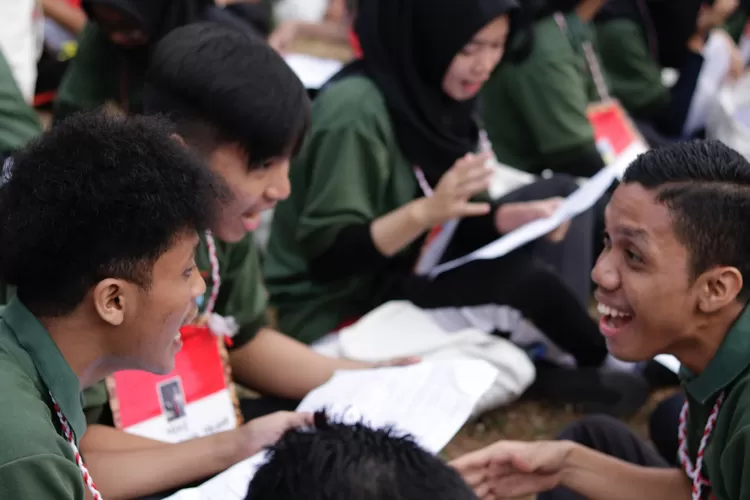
column 196, row 399
column 617, row 139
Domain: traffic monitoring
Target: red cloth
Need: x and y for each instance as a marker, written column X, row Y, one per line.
column 354, row 42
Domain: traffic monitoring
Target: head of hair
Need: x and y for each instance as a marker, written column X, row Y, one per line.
column 220, row 85
column 706, row 187
column 336, row 461
column 97, row 197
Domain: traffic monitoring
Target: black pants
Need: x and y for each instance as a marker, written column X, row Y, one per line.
column 611, row 437
column 664, row 424
column 251, row 409
column 547, row 283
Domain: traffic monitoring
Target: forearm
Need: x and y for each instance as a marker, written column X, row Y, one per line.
column 129, row 473
column 393, row 231
column 104, row 438
column 596, row 476
column 277, row 365
column 69, row 17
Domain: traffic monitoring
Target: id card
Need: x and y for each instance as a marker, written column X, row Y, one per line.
column 196, row 399
column 617, row 139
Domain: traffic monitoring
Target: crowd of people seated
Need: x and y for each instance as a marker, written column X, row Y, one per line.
column 144, row 142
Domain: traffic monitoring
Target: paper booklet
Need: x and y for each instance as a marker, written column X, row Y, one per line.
column 429, row 400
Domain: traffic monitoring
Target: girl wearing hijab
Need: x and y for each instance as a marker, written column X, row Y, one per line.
column 638, row 38
column 114, row 47
column 390, row 156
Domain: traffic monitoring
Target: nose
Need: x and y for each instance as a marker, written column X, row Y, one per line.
column 605, row 273
column 199, row 288
column 486, row 61
column 279, row 188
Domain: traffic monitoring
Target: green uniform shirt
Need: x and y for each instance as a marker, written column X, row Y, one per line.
column 36, row 461
column 98, row 74
column 727, row 455
column 19, row 123
column 350, row 171
column 535, row 111
column 242, row 295
column 634, row 74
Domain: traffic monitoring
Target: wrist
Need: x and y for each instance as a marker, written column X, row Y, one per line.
column 232, row 447
column 572, row 459
column 696, row 43
column 420, row 213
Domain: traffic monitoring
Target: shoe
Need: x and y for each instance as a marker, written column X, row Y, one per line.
column 591, row 390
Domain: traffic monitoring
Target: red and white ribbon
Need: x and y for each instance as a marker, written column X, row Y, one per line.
column 695, row 472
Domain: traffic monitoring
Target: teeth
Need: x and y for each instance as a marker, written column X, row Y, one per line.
column 610, row 311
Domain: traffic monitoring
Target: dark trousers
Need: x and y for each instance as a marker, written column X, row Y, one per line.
column 611, row 437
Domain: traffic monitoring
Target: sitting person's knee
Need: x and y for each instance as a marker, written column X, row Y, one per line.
column 350, row 462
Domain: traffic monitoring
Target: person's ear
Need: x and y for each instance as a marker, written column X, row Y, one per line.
column 110, row 300
column 718, row 288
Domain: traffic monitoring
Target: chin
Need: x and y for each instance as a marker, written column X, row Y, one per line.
column 626, row 353
column 229, row 235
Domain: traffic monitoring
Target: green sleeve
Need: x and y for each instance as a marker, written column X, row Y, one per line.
column 553, row 101
column 735, row 460
column 88, row 81
column 20, row 123
column 95, row 403
column 242, row 294
column 358, row 159
column 634, row 75
column 41, row 477
column 736, row 23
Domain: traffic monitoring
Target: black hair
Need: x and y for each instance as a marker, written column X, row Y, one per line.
column 336, row 461
column 706, row 187
column 220, row 85
column 97, row 197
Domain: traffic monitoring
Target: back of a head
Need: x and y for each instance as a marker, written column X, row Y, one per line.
column 337, row 461
column 96, row 197
column 207, row 76
column 706, row 187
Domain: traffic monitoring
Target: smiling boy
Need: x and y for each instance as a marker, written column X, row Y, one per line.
column 671, row 279
column 99, row 240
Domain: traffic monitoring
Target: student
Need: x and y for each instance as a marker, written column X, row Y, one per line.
column 348, row 238
column 114, row 48
column 671, row 280
column 336, row 461
column 638, row 38
column 535, row 109
column 102, row 256
column 234, row 101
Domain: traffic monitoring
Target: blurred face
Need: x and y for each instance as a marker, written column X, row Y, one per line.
column 121, row 28
column 252, row 190
column 647, row 302
column 149, row 320
column 473, row 65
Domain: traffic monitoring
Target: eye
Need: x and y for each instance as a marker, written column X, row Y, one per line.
column 633, row 257
column 189, row 271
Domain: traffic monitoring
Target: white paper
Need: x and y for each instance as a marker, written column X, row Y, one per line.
column 313, row 71
column 430, row 400
column 668, row 361
column 579, row 201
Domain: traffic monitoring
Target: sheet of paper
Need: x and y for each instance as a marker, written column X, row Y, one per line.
column 429, row 400
column 313, row 71
column 579, row 201
column 717, row 62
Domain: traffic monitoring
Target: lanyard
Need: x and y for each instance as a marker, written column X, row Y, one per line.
column 592, row 62
column 215, row 275
column 695, row 472
column 79, row 460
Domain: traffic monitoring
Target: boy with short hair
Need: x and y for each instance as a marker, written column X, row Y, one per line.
column 671, row 279
column 337, row 461
column 100, row 221
column 235, row 102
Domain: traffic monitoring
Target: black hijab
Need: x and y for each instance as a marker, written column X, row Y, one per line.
column 667, row 24
column 157, row 17
column 408, row 46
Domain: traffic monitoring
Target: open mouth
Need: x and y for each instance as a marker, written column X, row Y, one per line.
column 251, row 221
column 471, row 87
column 613, row 320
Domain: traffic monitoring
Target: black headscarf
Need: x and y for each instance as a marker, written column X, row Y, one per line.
column 408, row 46
column 667, row 24
column 157, row 17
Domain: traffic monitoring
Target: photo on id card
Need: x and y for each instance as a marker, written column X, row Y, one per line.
column 172, row 399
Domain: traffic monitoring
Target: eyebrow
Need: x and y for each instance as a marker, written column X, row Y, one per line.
column 631, row 233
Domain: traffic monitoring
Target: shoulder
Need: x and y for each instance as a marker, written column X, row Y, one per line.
column 25, row 418
column 354, row 103
column 41, row 477
column 550, row 43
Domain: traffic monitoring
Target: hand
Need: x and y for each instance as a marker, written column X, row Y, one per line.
column 283, row 36
column 262, row 432
column 713, row 16
column 450, row 200
column 511, row 469
column 410, row 360
column 514, row 215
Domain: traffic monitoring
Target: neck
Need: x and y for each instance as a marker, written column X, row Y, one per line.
column 707, row 339
column 77, row 339
column 588, row 9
